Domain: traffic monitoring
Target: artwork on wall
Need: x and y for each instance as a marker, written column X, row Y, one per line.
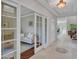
column 30, row 23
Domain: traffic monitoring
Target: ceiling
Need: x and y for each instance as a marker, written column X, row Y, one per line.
column 25, row 11
column 69, row 10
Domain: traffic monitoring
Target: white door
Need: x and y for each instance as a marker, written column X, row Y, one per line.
column 38, row 33
column 10, row 30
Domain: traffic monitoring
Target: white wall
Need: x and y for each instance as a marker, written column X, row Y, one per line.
column 25, row 24
column 35, row 6
column 52, row 30
column 72, row 20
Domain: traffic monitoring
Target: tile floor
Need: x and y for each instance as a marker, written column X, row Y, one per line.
column 63, row 42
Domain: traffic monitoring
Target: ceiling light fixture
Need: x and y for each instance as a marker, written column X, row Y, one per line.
column 61, row 4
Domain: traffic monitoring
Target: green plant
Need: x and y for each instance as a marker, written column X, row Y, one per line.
column 72, row 26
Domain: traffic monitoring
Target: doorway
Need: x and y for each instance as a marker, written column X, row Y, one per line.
column 38, row 32
column 33, row 32
column 27, row 33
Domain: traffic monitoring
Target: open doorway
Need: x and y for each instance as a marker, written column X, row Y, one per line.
column 61, row 28
column 33, row 32
column 27, row 33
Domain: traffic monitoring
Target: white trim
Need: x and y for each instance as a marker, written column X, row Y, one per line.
column 8, row 53
column 43, row 29
column 8, row 28
column 8, row 16
column 39, row 15
column 11, row 40
column 18, row 32
column 27, row 15
column 35, row 33
column 37, row 49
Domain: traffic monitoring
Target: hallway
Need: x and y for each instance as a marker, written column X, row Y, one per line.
column 64, row 48
column 39, row 29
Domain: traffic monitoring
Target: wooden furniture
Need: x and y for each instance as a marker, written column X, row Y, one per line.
column 73, row 34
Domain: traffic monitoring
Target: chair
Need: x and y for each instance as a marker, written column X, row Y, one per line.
column 28, row 38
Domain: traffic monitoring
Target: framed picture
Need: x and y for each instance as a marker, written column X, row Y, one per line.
column 30, row 23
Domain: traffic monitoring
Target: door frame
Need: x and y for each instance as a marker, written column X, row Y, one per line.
column 41, row 47
column 17, row 5
column 45, row 43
